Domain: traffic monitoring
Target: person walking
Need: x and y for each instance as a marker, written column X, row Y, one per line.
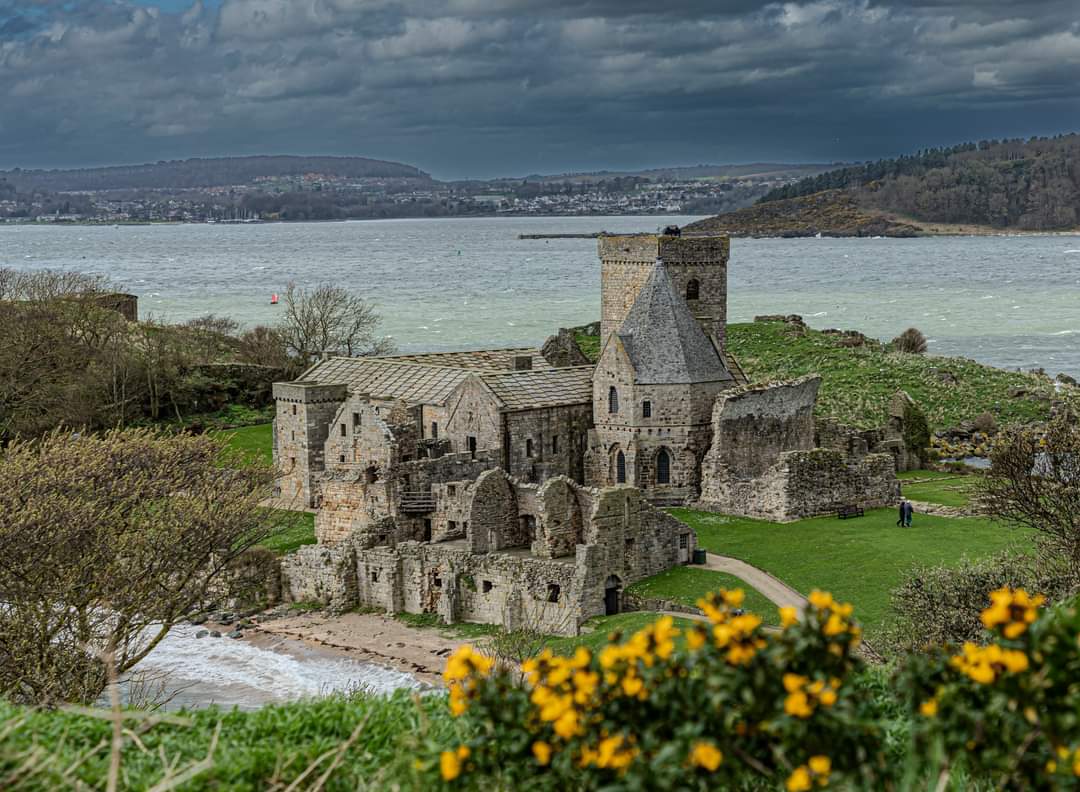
column 900, row 519
column 908, row 511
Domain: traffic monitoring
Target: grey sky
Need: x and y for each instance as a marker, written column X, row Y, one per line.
column 509, row 87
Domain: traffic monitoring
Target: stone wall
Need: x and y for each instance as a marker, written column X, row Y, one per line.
column 548, row 442
column 473, row 412
column 319, row 573
column 304, row 411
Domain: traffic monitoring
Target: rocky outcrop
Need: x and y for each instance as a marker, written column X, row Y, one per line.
column 562, row 350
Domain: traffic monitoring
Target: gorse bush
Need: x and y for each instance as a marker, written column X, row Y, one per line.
column 728, row 705
column 911, row 342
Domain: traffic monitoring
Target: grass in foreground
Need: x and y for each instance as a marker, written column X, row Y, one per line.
column 859, row 560
column 265, row 749
column 686, row 585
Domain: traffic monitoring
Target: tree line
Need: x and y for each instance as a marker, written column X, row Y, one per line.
column 1025, row 184
column 69, row 359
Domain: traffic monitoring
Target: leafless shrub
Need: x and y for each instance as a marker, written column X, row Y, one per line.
column 329, row 320
column 911, row 342
column 264, row 346
column 108, row 541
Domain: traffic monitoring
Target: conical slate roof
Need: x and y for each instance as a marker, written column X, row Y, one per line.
column 665, row 343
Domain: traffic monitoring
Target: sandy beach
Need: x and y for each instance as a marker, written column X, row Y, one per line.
column 375, row 638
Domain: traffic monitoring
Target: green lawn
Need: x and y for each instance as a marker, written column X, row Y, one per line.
column 687, row 584
column 859, row 560
column 296, row 529
column 944, row 489
column 254, row 442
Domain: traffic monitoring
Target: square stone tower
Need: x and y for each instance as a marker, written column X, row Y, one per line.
column 304, row 414
column 697, row 266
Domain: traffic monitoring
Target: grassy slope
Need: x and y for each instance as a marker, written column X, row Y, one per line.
column 945, row 490
column 687, row 584
column 255, row 748
column 858, row 382
column 859, row 560
column 297, row 529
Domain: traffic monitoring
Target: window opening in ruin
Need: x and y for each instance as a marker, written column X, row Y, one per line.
column 693, row 289
column 341, row 458
column 620, row 468
column 292, row 461
column 451, row 490
column 371, row 475
column 374, row 576
column 629, row 545
column 487, row 586
column 344, row 431
column 663, row 467
column 554, row 444
column 612, row 400
column 293, row 437
column 646, row 409
column 427, row 530
column 437, row 582
column 684, row 541
column 434, row 430
column 294, row 409
column 612, row 589
column 382, row 538
column 451, row 526
column 472, row 447
column 528, row 448
column 528, row 528
column 553, row 592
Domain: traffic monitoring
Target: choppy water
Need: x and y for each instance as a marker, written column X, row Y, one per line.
column 458, row 283
column 235, row 673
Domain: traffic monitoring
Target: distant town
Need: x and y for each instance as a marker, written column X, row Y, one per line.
column 170, row 194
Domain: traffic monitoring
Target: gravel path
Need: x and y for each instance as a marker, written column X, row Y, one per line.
column 772, row 588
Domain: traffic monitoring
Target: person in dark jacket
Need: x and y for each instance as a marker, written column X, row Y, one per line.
column 908, row 510
column 900, row 518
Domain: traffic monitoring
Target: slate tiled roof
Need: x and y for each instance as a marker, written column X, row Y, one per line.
column 665, row 343
column 480, row 359
column 552, row 387
column 388, row 378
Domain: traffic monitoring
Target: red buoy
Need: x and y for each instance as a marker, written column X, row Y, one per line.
column 273, row 299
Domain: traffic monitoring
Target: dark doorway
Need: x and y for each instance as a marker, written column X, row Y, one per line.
column 427, row 530
column 612, row 589
column 472, row 447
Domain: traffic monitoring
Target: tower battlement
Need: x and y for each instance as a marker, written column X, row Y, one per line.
column 697, row 266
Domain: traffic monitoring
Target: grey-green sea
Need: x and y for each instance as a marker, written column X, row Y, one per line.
column 441, row 284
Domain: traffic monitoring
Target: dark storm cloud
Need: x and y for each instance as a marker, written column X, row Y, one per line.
column 491, row 87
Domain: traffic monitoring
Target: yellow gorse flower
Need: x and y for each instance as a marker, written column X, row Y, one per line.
column 985, row 664
column 804, row 696
column 736, row 634
column 706, row 755
column 1011, row 611
column 464, row 667
column 815, row 771
column 613, row 753
column 451, row 762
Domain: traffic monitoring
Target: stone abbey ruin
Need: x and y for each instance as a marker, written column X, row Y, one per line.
column 504, row 487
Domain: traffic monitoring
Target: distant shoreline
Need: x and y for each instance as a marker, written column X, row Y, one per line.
column 927, row 231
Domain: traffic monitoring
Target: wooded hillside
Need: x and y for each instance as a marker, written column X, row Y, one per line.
column 1031, row 185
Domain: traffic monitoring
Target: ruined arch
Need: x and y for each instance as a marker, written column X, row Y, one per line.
column 562, row 524
column 616, row 465
column 693, row 289
column 493, row 513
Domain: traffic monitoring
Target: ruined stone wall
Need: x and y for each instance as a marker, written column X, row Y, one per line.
column 751, row 427
column 625, row 263
column 304, row 412
column 350, row 507
column 548, row 442
column 317, row 573
column 627, row 539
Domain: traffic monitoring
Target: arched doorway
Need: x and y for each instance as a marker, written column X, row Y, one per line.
column 612, row 592
column 663, row 467
column 620, row 468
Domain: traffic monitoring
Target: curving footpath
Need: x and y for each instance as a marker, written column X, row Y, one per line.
column 770, row 587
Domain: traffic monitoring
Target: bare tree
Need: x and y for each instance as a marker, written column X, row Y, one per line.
column 911, row 341
column 328, row 319
column 264, row 346
column 1034, row 480
column 108, row 540
column 211, row 332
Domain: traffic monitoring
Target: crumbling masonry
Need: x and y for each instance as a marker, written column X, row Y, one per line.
column 505, row 487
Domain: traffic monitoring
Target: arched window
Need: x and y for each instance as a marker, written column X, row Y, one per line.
column 528, row 447
column 663, row 467
column 620, row 468
column 612, row 400
column 693, row 289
